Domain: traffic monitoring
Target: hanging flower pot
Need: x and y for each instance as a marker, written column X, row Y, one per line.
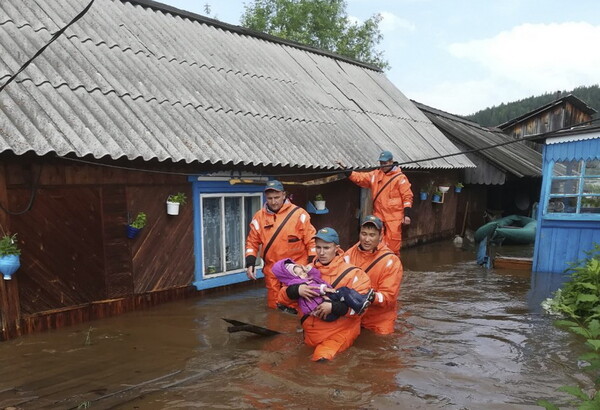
column 172, row 208
column 423, row 195
column 9, row 256
column 173, row 203
column 458, row 187
column 132, row 232
column 9, row 265
column 436, row 197
column 319, row 202
column 136, row 226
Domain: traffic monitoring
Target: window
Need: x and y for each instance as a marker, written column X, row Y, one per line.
column 575, row 188
column 225, row 225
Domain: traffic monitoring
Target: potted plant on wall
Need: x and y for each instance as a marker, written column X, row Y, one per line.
column 136, row 226
column 437, row 196
column 174, row 201
column 9, row 256
column 458, row 187
column 424, row 193
column 319, row 202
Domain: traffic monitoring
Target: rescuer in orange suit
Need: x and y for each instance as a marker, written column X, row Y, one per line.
column 294, row 237
column 329, row 338
column 391, row 195
column 385, row 271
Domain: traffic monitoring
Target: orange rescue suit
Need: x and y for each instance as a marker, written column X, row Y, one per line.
column 294, row 241
column 330, row 338
column 390, row 203
column 386, row 276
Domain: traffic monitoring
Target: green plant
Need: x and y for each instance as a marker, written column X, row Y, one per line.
column 437, row 192
column 319, row 197
column 179, row 197
column 578, row 302
column 140, row 220
column 8, row 245
column 459, row 185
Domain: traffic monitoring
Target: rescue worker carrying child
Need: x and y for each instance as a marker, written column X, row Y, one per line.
column 329, row 338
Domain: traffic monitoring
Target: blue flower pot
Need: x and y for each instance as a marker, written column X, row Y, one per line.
column 457, row 189
column 423, row 196
column 132, row 232
column 9, row 265
column 436, row 198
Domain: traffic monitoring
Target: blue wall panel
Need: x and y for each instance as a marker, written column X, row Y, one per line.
column 564, row 238
column 561, row 242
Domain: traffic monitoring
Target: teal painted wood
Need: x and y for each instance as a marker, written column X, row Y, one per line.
column 564, row 238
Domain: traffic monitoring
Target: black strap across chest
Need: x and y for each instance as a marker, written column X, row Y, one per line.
column 385, row 185
column 278, row 230
column 377, row 260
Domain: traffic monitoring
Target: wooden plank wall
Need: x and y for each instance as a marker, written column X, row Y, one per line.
column 75, row 253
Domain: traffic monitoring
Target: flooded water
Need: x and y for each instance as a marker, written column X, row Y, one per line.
column 466, row 338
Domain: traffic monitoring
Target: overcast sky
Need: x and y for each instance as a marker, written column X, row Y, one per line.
column 465, row 55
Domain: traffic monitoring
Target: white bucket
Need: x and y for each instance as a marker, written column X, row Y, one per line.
column 319, row 205
column 173, row 208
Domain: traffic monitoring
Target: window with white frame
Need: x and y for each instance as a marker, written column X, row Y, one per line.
column 225, row 225
column 575, row 188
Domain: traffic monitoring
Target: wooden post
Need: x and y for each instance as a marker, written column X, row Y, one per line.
column 10, row 309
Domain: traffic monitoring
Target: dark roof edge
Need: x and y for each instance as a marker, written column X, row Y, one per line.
column 574, row 130
column 454, row 117
column 248, row 32
column 570, row 97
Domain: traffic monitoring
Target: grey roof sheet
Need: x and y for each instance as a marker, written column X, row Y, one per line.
column 133, row 81
column 516, row 158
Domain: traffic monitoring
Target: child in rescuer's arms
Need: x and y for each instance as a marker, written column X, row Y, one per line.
column 290, row 273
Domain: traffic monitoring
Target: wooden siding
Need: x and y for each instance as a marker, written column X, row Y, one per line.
column 74, row 248
column 562, row 242
column 61, row 247
column 163, row 251
column 561, row 116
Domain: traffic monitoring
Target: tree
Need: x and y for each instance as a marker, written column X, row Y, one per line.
column 322, row 24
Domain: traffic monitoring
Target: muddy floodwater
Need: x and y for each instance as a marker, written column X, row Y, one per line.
column 466, row 338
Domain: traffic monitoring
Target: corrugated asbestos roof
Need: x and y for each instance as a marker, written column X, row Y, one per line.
column 129, row 80
column 516, row 158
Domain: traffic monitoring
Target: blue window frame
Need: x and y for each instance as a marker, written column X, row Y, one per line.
column 574, row 190
column 221, row 222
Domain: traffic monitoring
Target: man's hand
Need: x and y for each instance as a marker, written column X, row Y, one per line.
column 322, row 310
column 308, row 292
column 406, row 220
column 250, row 272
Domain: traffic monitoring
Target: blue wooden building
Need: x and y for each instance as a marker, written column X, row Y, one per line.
column 569, row 212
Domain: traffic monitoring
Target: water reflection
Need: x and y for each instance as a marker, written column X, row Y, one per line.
column 466, row 337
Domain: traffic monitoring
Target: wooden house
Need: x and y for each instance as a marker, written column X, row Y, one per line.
column 569, row 217
column 507, row 178
column 564, row 112
column 136, row 101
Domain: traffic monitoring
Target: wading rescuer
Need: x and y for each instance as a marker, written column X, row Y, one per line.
column 391, row 195
column 284, row 231
column 329, row 338
column 385, row 271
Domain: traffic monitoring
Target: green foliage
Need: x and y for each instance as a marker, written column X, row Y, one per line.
column 8, row 245
column 459, row 185
column 319, row 197
column 322, row 24
column 180, row 198
column 504, row 112
column 579, row 302
column 140, row 220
